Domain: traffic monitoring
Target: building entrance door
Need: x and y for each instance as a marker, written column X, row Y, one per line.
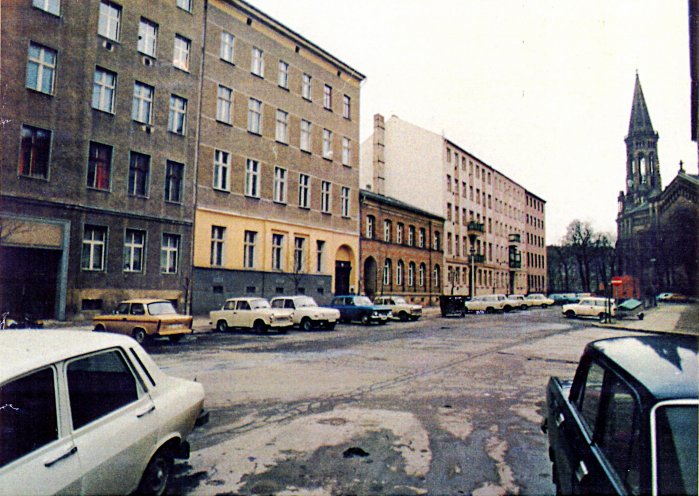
column 342, row 277
column 28, row 281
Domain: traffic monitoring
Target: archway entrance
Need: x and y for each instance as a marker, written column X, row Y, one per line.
column 370, row 277
column 343, row 269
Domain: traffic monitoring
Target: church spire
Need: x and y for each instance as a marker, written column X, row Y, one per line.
column 639, row 123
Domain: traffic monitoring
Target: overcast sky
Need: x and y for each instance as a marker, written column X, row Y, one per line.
column 539, row 89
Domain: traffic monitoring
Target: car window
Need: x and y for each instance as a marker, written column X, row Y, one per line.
column 122, row 309
column 137, row 309
column 28, row 417
column 161, row 308
column 279, row 303
column 229, row 305
column 676, row 449
column 98, row 385
column 619, row 433
column 243, row 305
column 289, row 304
column 590, row 396
column 362, row 300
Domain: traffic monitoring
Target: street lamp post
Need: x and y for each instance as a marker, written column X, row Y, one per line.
column 471, row 259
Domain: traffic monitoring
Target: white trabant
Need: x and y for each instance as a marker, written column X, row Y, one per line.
column 539, row 300
column 400, row 308
column 306, row 313
column 590, row 307
column 486, row 303
column 250, row 313
column 89, row 413
column 516, row 301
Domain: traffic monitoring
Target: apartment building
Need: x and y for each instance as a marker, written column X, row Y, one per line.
column 484, row 235
column 278, row 172
column 535, row 238
column 97, row 154
column 401, row 250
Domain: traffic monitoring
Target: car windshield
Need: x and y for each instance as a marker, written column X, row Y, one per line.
column 161, row 308
column 362, row 300
column 676, row 449
column 306, row 301
column 259, row 303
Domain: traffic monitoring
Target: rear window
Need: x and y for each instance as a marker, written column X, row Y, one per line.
column 28, row 418
column 676, row 449
column 161, row 308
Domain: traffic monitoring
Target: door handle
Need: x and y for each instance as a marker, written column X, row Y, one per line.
column 581, row 471
column 560, row 418
column 65, row 455
column 150, row 410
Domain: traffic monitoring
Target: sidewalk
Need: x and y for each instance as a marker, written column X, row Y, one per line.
column 666, row 318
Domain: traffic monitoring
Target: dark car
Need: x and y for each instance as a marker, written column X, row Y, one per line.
column 361, row 309
column 627, row 423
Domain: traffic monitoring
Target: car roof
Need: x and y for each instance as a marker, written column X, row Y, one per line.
column 25, row 350
column 666, row 366
column 145, row 301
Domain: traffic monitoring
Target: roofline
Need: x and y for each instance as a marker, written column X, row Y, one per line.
column 397, row 203
column 272, row 23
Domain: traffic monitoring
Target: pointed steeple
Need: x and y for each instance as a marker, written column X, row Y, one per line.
column 639, row 123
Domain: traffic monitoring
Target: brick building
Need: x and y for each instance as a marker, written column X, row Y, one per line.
column 401, row 252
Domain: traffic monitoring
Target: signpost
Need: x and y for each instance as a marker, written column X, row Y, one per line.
column 616, row 282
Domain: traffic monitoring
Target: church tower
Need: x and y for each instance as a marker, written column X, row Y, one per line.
column 642, row 167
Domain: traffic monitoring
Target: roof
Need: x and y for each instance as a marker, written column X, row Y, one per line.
column 387, row 200
column 25, row 350
column 665, row 365
column 639, row 123
column 146, row 301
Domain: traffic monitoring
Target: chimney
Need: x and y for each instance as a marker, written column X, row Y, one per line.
column 379, row 158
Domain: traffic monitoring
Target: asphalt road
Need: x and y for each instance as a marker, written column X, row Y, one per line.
column 437, row 406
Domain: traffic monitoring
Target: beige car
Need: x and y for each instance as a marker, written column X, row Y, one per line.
column 486, row 303
column 145, row 318
column 539, row 300
column 89, row 413
column 250, row 313
column 400, row 308
column 306, row 313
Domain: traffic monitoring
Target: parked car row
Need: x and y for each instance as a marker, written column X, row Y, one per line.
column 506, row 303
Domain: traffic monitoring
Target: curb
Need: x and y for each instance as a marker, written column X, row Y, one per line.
column 652, row 331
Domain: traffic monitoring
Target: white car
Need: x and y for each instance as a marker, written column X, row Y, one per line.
column 400, row 308
column 486, row 303
column 539, row 300
column 517, row 301
column 89, row 413
column 250, row 313
column 590, row 307
column 306, row 313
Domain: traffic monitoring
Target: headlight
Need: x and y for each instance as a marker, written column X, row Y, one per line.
column 375, row 313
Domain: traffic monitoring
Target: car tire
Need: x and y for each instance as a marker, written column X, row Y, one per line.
column 601, row 316
column 99, row 328
column 403, row 316
column 490, row 310
column 155, row 478
column 570, row 314
column 139, row 335
column 523, row 307
column 507, row 308
column 176, row 338
column 306, row 324
column 365, row 319
column 544, row 305
column 221, row 326
column 259, row 327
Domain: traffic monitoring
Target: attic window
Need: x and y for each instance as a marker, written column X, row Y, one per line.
column 249, row 21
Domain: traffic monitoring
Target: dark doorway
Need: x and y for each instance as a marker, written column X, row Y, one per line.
column 342, row 277
column 28, row 281
column 370, row 277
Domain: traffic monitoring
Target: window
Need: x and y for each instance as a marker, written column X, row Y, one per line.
column 103, row 89
column 345, row 151
column 52, row 7
column 224, row 102
column 421, row 238
column 181, row 54
column 41, row 68
column 174, row 181
column 277, row 251
column 370, row 219
column 320, row 249
column 185, row 5
column 421, row 275
column 177, row 118
column 327, row 144
column 283, row 74
column 387, row 272
column 169, row 253
column 134, row 250
column 304, row 189
column 327, row 97
column 222, row 166
column 346, row 107
column 255, row 116
column 282, row 132
column 98, row 385
column 227, row 47
column 299, row 257
column 325, row 197
column 437, row 277
column 411, row 274
column 306, row 87
column 399, row 273
column 387, row 228
column 99, row 166
column 35, row 152
column 305, row 139
column 252, row 175
column 345, row 199
column 109, row 20
column 141, row 110
column 437, row 244
column 93, row 248
column 258, row 62
column 139, row 170
column 249, row 243
column 147, row 37
column 399, row 233
column 28, row 418
column 218, row 234
column 279, row 185
column 411, row 235
column 590, row 396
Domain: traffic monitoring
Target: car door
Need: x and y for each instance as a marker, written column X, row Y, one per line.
column 119, row 321
column 114, row 421
column 37, row 452
column 243, row 314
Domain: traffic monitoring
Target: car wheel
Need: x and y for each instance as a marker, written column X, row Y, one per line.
column 544, row 305
column 221, row 326
column 601, row 316
column 99, row 328
column 403, row 316
column 523, row 307
column 156, row 476
column 490, row 310
column 175, row 338
column 365, row 319
column 507, row 308
column 306, row 324
column 259, row 327
column 570, row 314
column 139, row 335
